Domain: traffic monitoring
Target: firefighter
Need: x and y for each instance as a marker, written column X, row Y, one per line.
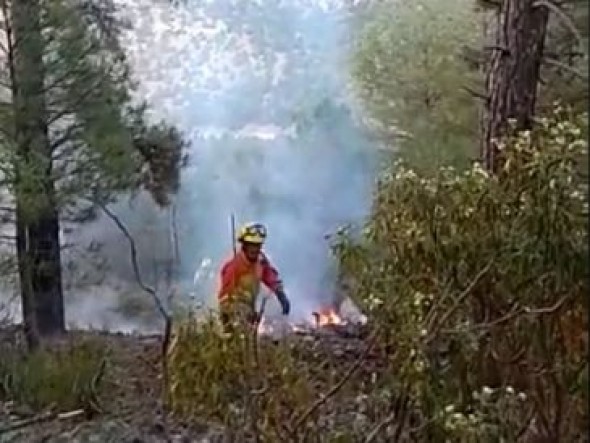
column 241, row 277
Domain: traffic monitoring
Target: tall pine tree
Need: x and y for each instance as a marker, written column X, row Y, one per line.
column 72, row 138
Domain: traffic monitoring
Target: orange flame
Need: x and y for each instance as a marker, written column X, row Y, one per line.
column 325, row 317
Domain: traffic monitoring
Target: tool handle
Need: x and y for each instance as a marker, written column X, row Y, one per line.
column 232, row 223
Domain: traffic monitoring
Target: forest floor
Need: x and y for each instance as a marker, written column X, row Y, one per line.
column 129, row 406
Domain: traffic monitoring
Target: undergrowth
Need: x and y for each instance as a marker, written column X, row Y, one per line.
column 233, row 379
column 65, row 378
column 258, row 389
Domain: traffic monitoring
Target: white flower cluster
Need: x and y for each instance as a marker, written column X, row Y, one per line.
column 419, row 363
column 468, row 211
column 419, row 302
column 414, row 230
column 404, row 174
column 454, row 420
column 486, row 394
column 578, row 195
column 421, row 299
column 578, row 145
column 374, row 302
column 478, row 171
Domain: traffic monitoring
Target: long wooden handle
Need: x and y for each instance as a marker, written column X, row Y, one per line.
column 233, row 233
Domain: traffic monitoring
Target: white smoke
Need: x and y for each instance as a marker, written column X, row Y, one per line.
column 301, row 189
column 249, row 96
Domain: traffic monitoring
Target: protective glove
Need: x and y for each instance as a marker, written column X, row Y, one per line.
column 284, row 301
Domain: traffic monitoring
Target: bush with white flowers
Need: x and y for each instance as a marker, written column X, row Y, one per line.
column 480, row 279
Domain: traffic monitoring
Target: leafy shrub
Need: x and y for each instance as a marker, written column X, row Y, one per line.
column 66, row 378
column 236, row 379
column 479, row 283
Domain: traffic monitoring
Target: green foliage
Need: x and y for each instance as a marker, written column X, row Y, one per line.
column 480, row 282
column 162, row 149
column 92, row 88
column 66, row 378
column 409, row 73
column 233, row 379
column 100, row 140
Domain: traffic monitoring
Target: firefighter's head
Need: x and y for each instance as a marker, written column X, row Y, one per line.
column 252, row 237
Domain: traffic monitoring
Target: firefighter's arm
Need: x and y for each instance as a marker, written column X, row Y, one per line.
column 272, row 280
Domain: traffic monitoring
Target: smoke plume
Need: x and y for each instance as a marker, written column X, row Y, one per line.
column 259, row 89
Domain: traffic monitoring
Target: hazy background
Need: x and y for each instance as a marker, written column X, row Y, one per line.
column 259, row 88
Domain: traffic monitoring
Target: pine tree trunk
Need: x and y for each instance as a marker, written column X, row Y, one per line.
column 513, row 73
column 39, row 261
column 27, row 296
column 38, row 246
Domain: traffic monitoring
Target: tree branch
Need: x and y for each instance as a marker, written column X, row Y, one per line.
column 167, row 317
column 503, row 49
column 513, row 313
column 79, row 100
column 71, row 72
column 10, row 47
column 565, row 67
column 494, row 4
column 134, row 263
column 475, row 94
column 459, row 300
column 565, row 19
column 379, row 427
column 48, row 416
column 3, row 48
column 65, row 136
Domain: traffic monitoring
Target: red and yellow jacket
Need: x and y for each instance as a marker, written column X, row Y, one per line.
column 240, row 278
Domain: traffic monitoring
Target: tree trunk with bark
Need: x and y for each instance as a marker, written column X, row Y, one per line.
column 513, row 73
column 37, row 222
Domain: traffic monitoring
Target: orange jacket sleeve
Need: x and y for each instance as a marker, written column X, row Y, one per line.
column 270, row 276
column 228, row 278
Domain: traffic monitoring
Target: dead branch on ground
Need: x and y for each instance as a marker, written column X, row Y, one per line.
column 45, row 417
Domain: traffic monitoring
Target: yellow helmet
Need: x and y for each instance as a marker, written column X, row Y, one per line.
column 252, row 233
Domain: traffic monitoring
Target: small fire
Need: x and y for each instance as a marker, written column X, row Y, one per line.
column 325, row 317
